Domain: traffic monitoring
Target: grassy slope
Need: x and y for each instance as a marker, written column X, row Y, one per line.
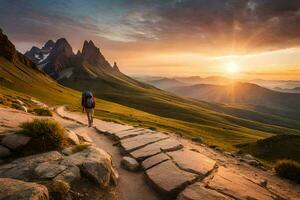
column 152, row 108
column 270, row 149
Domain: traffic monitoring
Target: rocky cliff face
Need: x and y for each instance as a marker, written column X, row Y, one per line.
column 8, row 51
column 58, row 60
column 39, row 56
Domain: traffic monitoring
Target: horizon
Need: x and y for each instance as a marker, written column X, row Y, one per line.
column 260, row 40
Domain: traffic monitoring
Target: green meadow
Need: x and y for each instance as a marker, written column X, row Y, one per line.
column 120, row 101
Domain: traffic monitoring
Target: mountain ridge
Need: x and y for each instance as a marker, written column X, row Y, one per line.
column 240, row 93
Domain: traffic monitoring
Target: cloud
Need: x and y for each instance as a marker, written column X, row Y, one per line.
column 207, row 26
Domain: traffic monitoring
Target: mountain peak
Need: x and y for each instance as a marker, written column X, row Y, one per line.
column 115, row 67
column 62, row 45
column 89, row 47
column 48, row 45
column 62, row 41
column 7, row 49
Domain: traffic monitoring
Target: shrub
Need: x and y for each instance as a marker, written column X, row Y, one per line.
column 46, row 135
column 288, row 169
column 42, row 112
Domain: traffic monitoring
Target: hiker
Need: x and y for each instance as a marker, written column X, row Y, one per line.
column 88, row 105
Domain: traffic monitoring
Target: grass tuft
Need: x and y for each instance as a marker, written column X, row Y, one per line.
column 59, row 190
column 42, row 112
column 288, row 169
column 46, row 135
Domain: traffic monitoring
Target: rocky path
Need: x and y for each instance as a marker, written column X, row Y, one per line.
column 131, row 185
column 178, row 168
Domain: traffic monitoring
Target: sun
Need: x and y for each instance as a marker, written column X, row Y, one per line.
column 232, row 68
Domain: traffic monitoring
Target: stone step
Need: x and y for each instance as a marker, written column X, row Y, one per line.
column 128, row 130
column 125, row 135
column 192, row 161
column 155, row 148
column 140, row 141
column 168, row 179
column 154, row 160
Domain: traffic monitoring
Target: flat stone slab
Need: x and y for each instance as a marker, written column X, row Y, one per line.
column 128, row 130
column 155, row 148
column 134, row 143
column 198, row 191
column 168, row 179
column 132, row 133
column 233, row 184
column 192, row 161
column 154, row 160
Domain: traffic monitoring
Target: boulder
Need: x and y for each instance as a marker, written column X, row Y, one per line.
column 15, row 189
column 69, row 175
column 20, row 102
column 168, row 179
column 4, row 152
column 67, row 151
column 72, row 137
column 254, row 163
column 49, row 170
column 248, row 157
column 19, row 107
column 198, row 191
column 94, row 163
column 130, row 163
column 23, row 168
column 14, row 141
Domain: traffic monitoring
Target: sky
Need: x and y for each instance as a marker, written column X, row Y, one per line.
column 260, row 38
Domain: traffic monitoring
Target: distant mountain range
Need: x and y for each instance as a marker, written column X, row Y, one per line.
column 167, row 83
column 292, row 90
column 240, row 93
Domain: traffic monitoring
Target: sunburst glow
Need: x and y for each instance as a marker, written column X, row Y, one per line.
column 232, row 68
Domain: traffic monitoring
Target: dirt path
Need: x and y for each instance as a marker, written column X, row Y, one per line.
column 175, row 166
column 131, row 185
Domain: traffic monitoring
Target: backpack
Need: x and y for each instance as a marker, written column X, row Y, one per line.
column 88, row 99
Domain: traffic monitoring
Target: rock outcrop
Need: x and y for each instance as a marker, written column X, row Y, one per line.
column 94, row 163
column 4, row 152
column 15, row 189
column 91, row 162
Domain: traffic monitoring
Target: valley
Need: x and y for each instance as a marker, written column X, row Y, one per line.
column 125, row 100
